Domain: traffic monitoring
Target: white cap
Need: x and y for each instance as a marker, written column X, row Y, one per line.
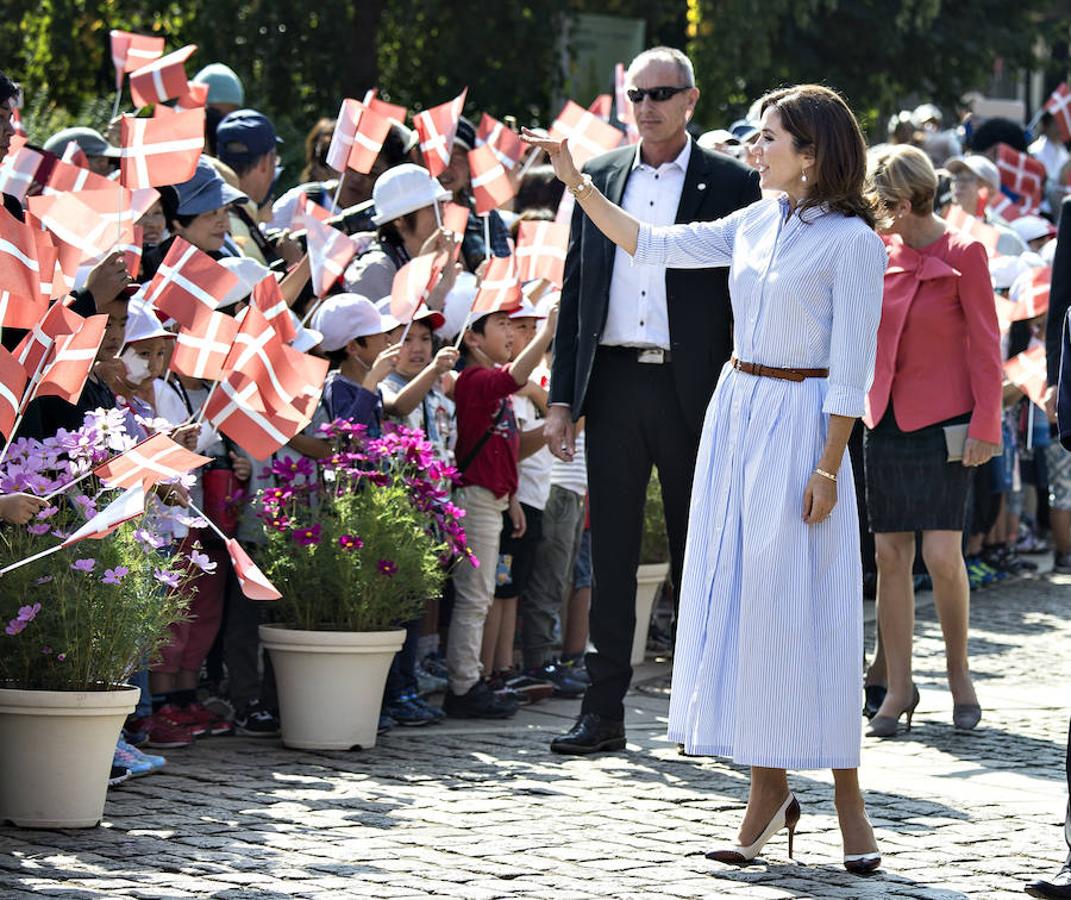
column 387, row 321
column 142, row 323
column 457, row 305
column 927, row 112
column 1022, row 284
column 708, row 140
column 1003, row 270
column 977, row 165
column 1030, row 228
column 249, row 273
column 546, row 302
column 343, row 317
column 405, row 189
column 1048, row 252
column 527, row 311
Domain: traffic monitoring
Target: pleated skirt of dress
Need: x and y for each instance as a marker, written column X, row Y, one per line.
column 768, row 659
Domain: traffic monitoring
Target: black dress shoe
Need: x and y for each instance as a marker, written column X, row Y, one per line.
column 591, row 734
column 1056, row 887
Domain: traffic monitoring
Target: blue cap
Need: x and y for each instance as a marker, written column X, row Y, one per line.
column 244, row 136
column 742, row 129
column 224, row 86
column 205, row 192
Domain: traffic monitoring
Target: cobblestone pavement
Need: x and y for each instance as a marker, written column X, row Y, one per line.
column 485, row 811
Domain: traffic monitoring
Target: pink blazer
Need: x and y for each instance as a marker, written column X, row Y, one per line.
column 938, row 342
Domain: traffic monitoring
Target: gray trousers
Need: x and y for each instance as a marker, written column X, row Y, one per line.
column 539, row 610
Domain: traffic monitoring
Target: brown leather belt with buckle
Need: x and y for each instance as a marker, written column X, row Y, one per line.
column 770, row 372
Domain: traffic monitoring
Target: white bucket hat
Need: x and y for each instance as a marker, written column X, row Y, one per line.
column 405, row 189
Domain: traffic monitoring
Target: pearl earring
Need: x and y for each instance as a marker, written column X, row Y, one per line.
column 803, row 177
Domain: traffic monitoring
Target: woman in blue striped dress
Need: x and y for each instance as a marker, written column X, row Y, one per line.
column 769, row 638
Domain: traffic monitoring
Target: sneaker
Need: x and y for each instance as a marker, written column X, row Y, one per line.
column 1029, row 543
column 479, row 702
column 437, row 714
column 118, row 775
column 205, row 717
column 138, row 763
column 658, row 641
column 177, row 715
column 575, row 668
column 221, row 706
column 407, row 713
column 428, row 683
column 1062, row 564
column 162, row 733
column 526, row 688
column 558, row 675
column 255, row 721
column 386, row 723
column 133, row 736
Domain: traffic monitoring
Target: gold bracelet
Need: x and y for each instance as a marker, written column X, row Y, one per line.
column 826, row 474
column 581, row 190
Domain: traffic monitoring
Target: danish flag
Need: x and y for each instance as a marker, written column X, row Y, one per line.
column 491, row 186
column 128, row 505
column 500, row 289
column 1008, row 209
column 307, row 207
column 64, row 176
column 34, row 347
column 18, row 170
column 329, row 253
column 238, row 409
column 358, row 138
column 200, row 351
column 1028, row 372
column 269, row 299
column 412, row 284
column 253, row 582
column 196, row 96
column 80, row 226
column 1030, row 294
column 73, row 154
column 588, row 135
column 602, row 106
column 65, row 374
column 20, row 271
column 188, row 284
column 392, row 111
column 162, row 79
column 541, row 250
column 436, row 128
column 147, row 464
column 507, row 145
column 1059, row 104
column 132, row 51
column 161, row 151
column 975, row 228
column 1020, row 172
column 12, row 389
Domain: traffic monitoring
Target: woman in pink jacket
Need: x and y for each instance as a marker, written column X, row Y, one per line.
column 938, row 369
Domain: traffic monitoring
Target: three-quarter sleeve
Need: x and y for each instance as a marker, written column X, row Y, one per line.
column 858, row 282
column 700, row 245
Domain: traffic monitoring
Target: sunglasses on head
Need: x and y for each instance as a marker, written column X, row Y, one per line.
column 658, row 94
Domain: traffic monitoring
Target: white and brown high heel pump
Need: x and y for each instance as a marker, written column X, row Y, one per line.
column 786, row 817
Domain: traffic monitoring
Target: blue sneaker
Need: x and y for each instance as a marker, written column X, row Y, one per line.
column 386, row 723
column 436, row 712
column 409, row 714
column 138, row 763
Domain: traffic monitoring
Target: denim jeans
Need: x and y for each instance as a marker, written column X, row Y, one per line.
column 402, row 677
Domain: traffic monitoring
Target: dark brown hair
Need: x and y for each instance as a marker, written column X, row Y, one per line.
column 820, row 122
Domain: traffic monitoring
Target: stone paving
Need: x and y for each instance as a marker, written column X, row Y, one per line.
column 484, row 811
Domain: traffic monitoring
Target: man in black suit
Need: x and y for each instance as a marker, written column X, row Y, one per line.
column 638, row 352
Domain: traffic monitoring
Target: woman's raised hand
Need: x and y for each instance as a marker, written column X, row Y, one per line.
column 559, row 154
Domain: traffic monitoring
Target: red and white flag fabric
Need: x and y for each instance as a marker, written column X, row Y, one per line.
column 338, row 152
column 587, row 134
column 132, row 51
column 74, row 155
column 1059, row 105
column 128, row 505
column 66, row 371
column 17, row 311
column 200, row 351
column 268, row 298
column 500, row 289
column 358, row 137
column 1030, row 294
column 1008, row 209
column 253, row 582
column 196, row 97
column 162, row 79
column 540, row 252
column 1020, row 172
column 412, row 284
column 397, row 114
column 237, row 408
column 622, row 104
column 78, row 225
column 330, row 251
column 506, row 144
column 155, row 152
column 436, row 128
column 12, row 388
column 188, row 284
column 306, row 208
column 18, row 171
column 20, row 271
column 491, row 187
column 153, row 460
column 602, row 106
column 975, row 228
column 1028, row 372
column 259, row 353
column 64, row 177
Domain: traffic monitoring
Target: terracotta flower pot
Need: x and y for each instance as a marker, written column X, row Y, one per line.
column 56, row 750
column 330, row 684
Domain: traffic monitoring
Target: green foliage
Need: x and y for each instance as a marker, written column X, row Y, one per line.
column 655, row 545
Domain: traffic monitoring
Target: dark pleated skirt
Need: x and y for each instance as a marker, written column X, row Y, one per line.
column 910, row 485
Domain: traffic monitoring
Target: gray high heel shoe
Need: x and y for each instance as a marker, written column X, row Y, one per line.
column 888, row 726
column 966, row 716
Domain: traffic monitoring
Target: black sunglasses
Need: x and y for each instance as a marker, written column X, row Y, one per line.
column 658, row 94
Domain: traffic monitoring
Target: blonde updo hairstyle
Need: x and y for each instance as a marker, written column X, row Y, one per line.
column 902, row 172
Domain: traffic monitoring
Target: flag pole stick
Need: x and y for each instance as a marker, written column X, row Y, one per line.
column 1030, row 426
column 438, row 214
column 211, row 524
column 69, row 484
column 118, row 99
column 201, row 412
column 338, row 190
column 30, row 559
column 461, row 333
column 312, row 309
column 486, row 235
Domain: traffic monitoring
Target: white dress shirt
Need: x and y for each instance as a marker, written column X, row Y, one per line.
column 637, row 316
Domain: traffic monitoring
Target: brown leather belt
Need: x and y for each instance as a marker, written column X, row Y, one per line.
column 770, row 372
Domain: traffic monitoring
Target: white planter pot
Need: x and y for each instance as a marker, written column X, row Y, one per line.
column 330, row 684
column 649, row 580
column 56, row 750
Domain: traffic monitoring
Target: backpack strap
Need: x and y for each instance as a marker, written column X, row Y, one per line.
column 484, row 438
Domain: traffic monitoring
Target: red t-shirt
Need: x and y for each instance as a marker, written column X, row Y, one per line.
column 479, row 394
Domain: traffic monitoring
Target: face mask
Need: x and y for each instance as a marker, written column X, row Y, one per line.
column 137, row 367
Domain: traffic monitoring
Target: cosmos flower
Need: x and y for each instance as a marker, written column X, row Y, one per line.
column 83, row 565
column 115, row 576
column 387, row 567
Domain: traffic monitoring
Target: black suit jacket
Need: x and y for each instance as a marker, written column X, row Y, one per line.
column 1059, row 295
column 700, row 316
